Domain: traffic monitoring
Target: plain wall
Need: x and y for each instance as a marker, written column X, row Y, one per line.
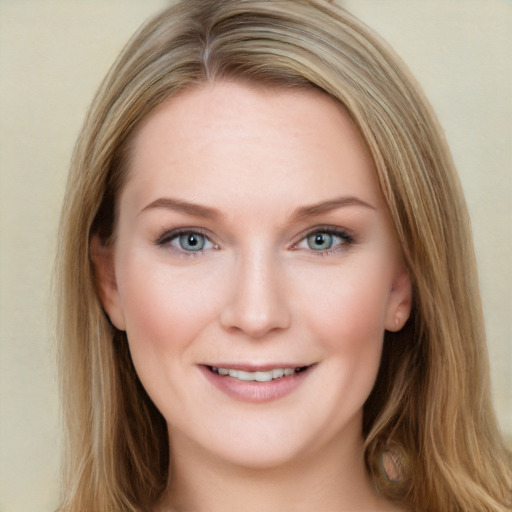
column 53, row 54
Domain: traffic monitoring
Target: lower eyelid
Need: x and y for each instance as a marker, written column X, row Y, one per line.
column 328, row 252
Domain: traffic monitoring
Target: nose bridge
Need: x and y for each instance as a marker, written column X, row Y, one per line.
column 257, row 303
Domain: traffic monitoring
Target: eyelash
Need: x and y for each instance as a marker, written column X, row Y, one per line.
column 346, row 240
column 168, row 237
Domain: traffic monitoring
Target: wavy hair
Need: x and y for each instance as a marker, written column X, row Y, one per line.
column 431, row 436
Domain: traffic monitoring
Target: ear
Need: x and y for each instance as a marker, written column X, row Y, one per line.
column 400, row 300
column 103, row 260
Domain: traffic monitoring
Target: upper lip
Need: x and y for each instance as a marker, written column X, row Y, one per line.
column 252, row 367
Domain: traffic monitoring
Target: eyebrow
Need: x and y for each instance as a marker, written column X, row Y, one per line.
column 178, row 205
column 301, row 213
column 328, row 206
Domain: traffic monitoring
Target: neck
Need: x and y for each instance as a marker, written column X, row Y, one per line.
column 332, row 480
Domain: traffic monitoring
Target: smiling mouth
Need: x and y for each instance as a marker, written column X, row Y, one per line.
column 257, row 376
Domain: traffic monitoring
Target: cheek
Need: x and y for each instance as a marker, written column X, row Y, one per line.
column 165, row 308
column 346, row 312
column 348, row 305
column 339, row 309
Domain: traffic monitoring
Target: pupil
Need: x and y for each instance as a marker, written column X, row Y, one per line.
column 320, row 241
column 192, row 241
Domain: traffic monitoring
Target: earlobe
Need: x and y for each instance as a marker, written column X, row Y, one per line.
column 103, row 260
column 400, row 301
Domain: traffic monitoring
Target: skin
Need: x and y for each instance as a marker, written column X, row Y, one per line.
column 260, row 292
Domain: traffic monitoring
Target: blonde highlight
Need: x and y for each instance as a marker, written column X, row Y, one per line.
column 117, row 455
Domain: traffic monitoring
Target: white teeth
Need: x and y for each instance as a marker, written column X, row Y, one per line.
column 267, row 376
column 240, row 374
column 277, row 373
column 263, row 376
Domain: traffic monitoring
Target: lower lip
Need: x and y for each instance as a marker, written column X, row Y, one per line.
column 253, row 391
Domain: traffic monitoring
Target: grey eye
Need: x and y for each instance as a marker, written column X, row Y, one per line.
column 192, row 241
column 320, row 241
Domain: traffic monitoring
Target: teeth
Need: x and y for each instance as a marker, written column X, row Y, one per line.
column 277, row 373
column 267, row 376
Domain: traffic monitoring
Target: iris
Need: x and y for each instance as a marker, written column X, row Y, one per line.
column 320, row 241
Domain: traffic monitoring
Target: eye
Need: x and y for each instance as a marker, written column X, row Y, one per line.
column 191, row 241
column 186, row 241
column 325, row 241
column 320, row 241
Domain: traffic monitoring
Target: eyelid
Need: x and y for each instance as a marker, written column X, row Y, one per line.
column 344, row 234
column 165, row 239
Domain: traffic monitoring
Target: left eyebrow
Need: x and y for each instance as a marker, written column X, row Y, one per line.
column 329, row 205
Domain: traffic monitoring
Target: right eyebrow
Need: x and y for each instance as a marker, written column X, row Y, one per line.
column 178, row 205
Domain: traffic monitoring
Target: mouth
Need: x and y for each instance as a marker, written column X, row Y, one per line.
column 258, row 375
column 256, row 383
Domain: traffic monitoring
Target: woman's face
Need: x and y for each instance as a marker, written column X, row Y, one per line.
column 254, row 270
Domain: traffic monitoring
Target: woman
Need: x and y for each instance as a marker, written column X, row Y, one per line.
column 268, row 288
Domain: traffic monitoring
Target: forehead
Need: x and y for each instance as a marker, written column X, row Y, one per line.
column 226, row 138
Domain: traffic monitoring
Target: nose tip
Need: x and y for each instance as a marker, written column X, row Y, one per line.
column 258, row 302
column 254, row 325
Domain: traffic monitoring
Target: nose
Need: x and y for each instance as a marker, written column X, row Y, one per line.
column 257, row 301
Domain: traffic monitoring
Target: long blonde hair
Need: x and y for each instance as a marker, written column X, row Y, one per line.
column 430, row 410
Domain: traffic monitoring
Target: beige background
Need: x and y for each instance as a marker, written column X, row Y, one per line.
column 53, row 54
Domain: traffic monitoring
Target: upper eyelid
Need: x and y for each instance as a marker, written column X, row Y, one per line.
column 335, row 230
column 170, row 234
column 168, row 239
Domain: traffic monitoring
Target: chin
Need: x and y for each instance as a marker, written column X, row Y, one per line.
column 268, row 441
column 263, row 455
